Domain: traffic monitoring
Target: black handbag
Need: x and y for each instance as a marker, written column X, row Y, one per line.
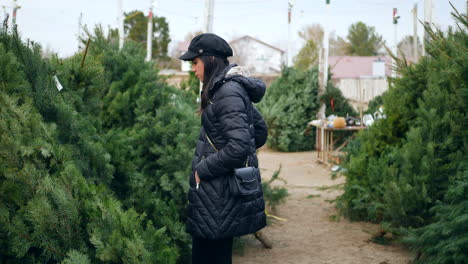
column 244, row 181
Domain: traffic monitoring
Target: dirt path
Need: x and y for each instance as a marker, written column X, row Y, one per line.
column 309, row 235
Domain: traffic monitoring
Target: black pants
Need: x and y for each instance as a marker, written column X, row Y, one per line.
column 206, row 251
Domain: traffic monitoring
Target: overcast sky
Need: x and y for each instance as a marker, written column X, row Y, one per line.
column 54, row 23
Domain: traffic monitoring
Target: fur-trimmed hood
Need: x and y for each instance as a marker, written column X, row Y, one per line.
column 255, row 87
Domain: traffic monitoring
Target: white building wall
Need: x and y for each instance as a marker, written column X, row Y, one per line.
column 259, row 58
column 362, row 90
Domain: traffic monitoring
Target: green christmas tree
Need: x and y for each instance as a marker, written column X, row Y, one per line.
column 408, row 171
column 87, row 175
column 291, row 102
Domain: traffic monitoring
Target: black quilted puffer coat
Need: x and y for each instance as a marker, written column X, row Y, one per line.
column 236, row 129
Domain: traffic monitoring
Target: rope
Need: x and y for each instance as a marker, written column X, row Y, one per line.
column 275, row 217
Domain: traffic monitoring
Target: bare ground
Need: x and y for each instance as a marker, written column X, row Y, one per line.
column 313, row 233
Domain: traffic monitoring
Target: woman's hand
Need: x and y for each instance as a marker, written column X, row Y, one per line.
column 197, row 179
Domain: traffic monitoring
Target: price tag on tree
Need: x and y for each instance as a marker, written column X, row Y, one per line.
column 57, row 83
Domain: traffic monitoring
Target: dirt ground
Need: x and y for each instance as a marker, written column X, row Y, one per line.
column 312, row 232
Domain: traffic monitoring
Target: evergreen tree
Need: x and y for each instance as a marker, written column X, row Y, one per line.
column 79, row 183
column 191, row 86
column 291, row 102
column 307, row 56
column 363, row 40
column 150, row 130
column 409, row 170
column 136, row 27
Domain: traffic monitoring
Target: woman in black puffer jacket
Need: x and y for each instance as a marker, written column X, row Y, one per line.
column 236, row 129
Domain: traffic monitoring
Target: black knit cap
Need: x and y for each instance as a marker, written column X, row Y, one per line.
column 207, row 44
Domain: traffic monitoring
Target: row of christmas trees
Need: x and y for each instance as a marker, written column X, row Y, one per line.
column 96, row 172
column 410, row 170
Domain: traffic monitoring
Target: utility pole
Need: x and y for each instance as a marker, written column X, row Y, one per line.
column 415, row 32
column 291, row 3
column 209, row 9
column 323, row 60
column 15, row 9
column 428, row 12
column 120, row 19
column 326, row 31
column 323, row 78
column 149, row 37
column 80, row 21
column 395, row 40
column 208, row 28
column 5, row 14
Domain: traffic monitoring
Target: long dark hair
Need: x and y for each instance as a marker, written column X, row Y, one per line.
column 213, row 67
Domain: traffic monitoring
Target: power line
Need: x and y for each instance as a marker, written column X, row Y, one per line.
column 176, row 13
column 249, row 13
column 380, row 3
column 244, row 2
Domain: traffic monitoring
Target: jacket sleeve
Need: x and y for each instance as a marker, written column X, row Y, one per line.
column 261, row 129
column 232, row 114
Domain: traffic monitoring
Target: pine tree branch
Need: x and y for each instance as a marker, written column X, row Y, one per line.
column 17, row 41
column 29, row 239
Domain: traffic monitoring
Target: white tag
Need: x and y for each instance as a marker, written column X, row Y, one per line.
column 57, row 83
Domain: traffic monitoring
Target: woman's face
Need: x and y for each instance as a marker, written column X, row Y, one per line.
column 198, row 68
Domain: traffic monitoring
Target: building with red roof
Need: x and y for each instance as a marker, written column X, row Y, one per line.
column 360, row 78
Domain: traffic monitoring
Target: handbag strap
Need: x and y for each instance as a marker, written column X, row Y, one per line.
column 211, row 143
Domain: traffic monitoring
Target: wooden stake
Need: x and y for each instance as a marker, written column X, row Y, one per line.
column 261, row 237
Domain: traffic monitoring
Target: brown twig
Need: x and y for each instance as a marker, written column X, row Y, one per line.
column 86, row 52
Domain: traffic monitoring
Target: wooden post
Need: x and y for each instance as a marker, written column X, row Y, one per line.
column 261, row 237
